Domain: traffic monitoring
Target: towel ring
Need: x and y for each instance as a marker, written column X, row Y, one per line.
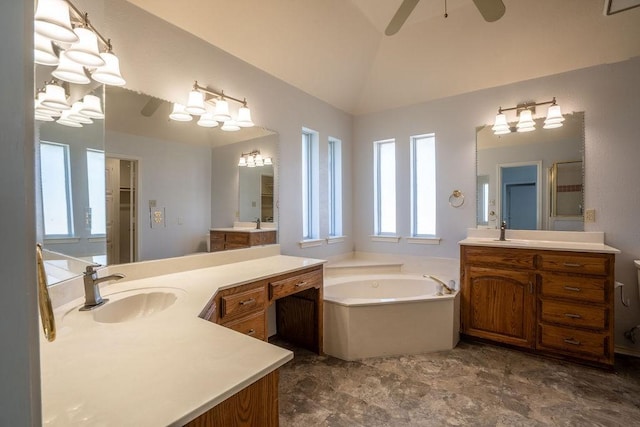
column 456, row 199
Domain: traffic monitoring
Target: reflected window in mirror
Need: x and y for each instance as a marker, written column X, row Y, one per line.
column 545, row 147
column 310, row 185
column 335, row 187
column 56, row 189
column 95, row 214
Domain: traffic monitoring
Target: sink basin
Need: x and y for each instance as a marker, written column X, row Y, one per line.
column 129, row 305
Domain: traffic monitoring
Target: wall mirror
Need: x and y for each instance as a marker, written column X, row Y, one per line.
column 532, row 180
column 138, row 151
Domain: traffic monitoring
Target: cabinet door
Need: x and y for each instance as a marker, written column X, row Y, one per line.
column 499, row 304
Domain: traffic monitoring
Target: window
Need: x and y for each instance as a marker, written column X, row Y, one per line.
column 335, row 187
column 423, row 185
column 56, row 191
column 96, row 215
column 385, row 187
column 310, row 224
column 482, row 215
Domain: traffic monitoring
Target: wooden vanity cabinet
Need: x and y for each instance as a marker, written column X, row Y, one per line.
column 222, row 240
column 299, row 307
column 557, row 303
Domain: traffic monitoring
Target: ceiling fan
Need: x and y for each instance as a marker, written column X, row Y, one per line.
column 491, row 10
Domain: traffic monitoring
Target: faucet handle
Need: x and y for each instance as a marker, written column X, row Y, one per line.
column 91, row 268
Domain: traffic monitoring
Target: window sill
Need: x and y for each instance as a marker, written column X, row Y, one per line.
column 57, row 240
column 311, row 243
column 97, row 239
column 424, row 240
column 386, row 239
column 332, row 240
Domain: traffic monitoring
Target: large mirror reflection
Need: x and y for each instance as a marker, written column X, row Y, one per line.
column 532, row 180
column 165, row 184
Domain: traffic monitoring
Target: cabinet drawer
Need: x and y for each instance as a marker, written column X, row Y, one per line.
column 573, row 314
column 253, row 325
column 216, row 245
column 237, row 238
column 241, row 303
column 587, row 289
column 587, row 344
column 290, row 285
column 574, row 263
column 500, row 257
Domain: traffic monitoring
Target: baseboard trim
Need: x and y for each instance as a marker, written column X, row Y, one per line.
column 627, row 351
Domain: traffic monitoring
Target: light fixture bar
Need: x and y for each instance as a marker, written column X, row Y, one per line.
column 83, row 19
column 220, row 94
column 528, row 106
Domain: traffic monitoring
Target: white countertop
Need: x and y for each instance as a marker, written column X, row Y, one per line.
column 572, row 241
column 164, row 369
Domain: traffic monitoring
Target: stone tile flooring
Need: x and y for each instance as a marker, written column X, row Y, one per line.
column 473, row 384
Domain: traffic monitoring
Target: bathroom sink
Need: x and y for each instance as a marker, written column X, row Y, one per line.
column 130, row 305
column 140, row 304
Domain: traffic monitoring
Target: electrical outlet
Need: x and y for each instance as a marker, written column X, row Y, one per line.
column 590, row 215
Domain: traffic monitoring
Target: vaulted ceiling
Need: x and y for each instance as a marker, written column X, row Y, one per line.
column 336, row 50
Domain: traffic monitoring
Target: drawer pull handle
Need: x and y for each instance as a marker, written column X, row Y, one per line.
column 572, row 264
column 299, row 284
column 571, row 341
column 572, row 288
column 573, row 316
column 251, row 332
column 248, row 301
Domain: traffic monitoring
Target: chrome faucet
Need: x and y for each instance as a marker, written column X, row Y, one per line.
column 92, row 298
column 257, row 223
column 503, row 227
column 447, row 289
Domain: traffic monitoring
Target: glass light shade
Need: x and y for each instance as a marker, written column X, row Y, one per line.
column 43, row 52
column 52, row 21
column 85, row 52
column 195, row 103
column 230, row 126
column 259, row 160
column 221, row 112
column 40, row 114
column 267, row 161
column 66, row 121
column 251, row 162
column 55, row 98
column 526, row 123
column 554, row 117
column 76, row 115
column 206, row 120
column 242, row 162
column 500, row 126
column 244, row 118
column 109, row 73
column 92, row 107
column 42, row 110
column 178, row 114
column 70, row 71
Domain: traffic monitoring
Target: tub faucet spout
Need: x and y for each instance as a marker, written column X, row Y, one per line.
column 447, row 289
column 92, row 297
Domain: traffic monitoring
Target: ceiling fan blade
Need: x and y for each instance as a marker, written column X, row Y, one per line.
column 491, row 10
column 401, row 16
column 150, row 107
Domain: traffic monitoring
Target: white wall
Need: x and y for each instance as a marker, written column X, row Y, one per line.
column 610, row 97
column 19, row 328
column 178, row 177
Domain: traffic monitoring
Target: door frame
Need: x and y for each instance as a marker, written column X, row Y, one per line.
column 136, row 198
column 538, row 165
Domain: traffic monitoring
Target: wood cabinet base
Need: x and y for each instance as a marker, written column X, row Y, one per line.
column 255, row 405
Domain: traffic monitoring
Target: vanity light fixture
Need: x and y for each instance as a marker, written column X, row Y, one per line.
column 75, row 51
column 525, row 113
column 253, row 159
column 52, row 102
column 200, row 102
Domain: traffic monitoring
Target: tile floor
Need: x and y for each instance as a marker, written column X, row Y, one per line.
column 474, row 384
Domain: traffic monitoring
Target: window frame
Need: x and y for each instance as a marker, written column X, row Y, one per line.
column 310, row 185
column 427, row 171
column 378, row 189
column 67, row 188
column 334, row 165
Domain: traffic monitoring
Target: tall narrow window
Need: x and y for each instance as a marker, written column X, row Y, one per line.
column 96, row 214
column 56, row 189
column 385, row 186
column 335, row 187
column 423, row 185
column 310, row 224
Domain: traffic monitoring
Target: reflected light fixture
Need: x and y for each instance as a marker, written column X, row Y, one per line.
column 179, row 114
column 43, row 52
column 525, row 113
column 52, row 102
column 253, row 159
column 197, row 101
column 85, row 51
